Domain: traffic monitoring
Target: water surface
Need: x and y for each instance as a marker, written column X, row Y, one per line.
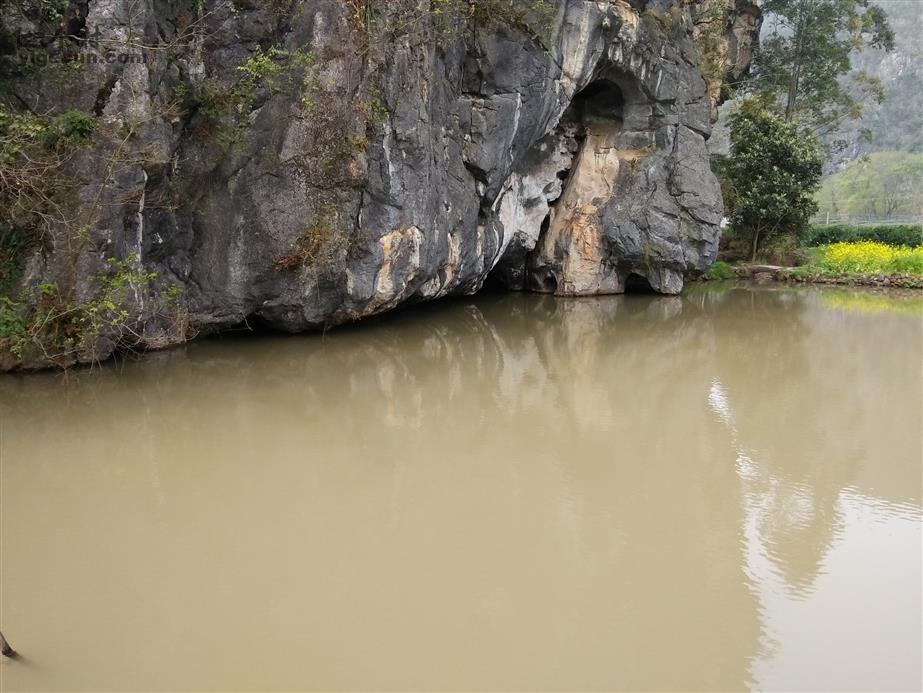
column 715, row 492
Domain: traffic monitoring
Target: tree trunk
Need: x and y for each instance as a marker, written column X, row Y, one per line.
column 793, row 92
column 755, row 244
column 795, row 74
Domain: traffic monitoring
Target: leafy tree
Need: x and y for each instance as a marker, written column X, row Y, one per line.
column 771, row 176
column 801, row 65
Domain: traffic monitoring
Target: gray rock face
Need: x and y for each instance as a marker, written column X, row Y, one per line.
column 387, row 171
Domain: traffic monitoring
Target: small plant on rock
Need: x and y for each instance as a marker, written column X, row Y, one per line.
column 321, row 246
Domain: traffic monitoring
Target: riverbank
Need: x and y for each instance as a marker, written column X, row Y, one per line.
column 860, row 263
column 807, row 274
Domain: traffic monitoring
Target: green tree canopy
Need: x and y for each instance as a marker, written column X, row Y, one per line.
column 771, row 176
column 801, row 65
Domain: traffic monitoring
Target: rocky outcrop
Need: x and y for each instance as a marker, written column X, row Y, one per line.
column 306, row 164
column 727, row 34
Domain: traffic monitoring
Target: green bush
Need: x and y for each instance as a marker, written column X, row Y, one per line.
column 770, row 177
column 35, row 190
column 721, row 270
column 52, row 328
column 902, row 234
column 71, row 126
column 12, row 321
column 13, row 244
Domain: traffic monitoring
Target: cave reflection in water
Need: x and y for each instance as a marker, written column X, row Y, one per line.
column 714, row 491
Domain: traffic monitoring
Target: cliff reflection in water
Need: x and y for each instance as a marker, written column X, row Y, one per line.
column 514, row 492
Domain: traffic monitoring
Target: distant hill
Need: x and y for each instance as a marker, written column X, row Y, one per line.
column 897, row 123
column 881, row 187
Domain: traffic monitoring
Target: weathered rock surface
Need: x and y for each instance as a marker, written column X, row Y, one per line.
column 398, row 170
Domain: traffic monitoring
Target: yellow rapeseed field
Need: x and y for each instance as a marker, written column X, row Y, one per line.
column 872, row 258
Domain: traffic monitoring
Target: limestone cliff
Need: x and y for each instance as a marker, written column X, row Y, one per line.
column 300, row 164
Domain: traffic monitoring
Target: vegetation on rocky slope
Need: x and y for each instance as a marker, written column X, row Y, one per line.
column 389, row 20
column 54, row 328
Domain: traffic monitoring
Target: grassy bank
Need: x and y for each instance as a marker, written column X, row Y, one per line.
column 862, row 262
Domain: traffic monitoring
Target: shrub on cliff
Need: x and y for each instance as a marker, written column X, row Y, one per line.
column 770, row 177
column 442, row 19
column 35, row 191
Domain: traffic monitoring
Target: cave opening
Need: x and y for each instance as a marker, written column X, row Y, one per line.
column 638, row 284
column 601, row 101
column 583, row 149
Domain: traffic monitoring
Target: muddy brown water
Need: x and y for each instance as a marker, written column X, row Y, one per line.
column 715, row 492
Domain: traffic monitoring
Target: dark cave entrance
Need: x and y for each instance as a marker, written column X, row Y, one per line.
column 600, row 101
column 638, row 284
